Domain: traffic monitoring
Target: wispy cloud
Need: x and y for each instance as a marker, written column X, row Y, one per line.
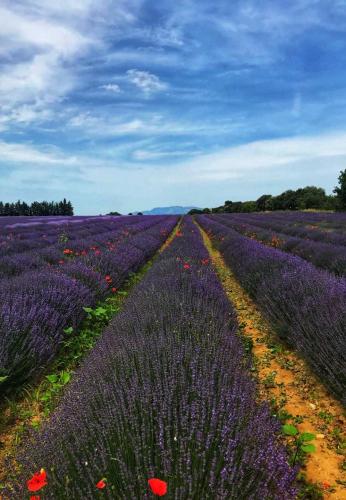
column 28, row 154
column 41, row 74
column 143, row 124
column 259, row 156
column 145, row 81
column 40, row 43
column 111, row 87
column 147, row 155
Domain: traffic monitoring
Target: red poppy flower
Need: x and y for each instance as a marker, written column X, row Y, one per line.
column 179, row 233
column 61, row 261
column 38, row 481
column 158, row 487
column 114, row 290
column 101, row 484
column 325, row 485
column 97, row 252
column 205, row 261
column 35, row 497
column 67, row 251
column 186, row 266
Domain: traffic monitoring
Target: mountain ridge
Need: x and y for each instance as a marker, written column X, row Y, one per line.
column 173, row 210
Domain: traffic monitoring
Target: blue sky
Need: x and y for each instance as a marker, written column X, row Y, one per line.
column 129, row 104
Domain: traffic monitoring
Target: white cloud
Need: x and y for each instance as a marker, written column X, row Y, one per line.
column 18, row 30
column 145, row 155
column 35, row 81
column 27, row 154
column 145, row 81
column 111, row 87
column 40, row 42
column 256, row 157
column 147, row 124
column 42, row 75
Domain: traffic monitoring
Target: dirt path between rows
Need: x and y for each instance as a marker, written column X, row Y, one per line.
column 287, row 382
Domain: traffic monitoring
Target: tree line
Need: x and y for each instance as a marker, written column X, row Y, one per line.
column 309, row 197
column 63, row 207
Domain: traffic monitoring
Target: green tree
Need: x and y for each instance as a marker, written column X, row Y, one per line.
column 311, row 197
column 285, row 201
column 195, row 211
column 262, row 201
column 340, row 190
column 249, row 206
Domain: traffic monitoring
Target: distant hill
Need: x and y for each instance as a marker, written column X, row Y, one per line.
column 168, row 211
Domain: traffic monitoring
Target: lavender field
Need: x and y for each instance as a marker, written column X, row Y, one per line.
column 168, row 398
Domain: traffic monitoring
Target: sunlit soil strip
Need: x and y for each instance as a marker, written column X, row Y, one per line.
column 174, row 233
column 296, row 395
column 29, row 409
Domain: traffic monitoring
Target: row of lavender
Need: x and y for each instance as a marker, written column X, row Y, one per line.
column 84, row 243
column 335, row 221
column 306, row 305
column 30, row 240
column 165, row 393
column 37, row 305
column 319, row 227
column 324, row 255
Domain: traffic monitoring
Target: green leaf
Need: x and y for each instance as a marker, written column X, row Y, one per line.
column 45, row 397
column 289, row 430
column 88, row 309
column 308, row 448
column 3, row 378
column 68, row 330
column 52, row 378
column 65, row 377
column 307, row 436
column 100, row 311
